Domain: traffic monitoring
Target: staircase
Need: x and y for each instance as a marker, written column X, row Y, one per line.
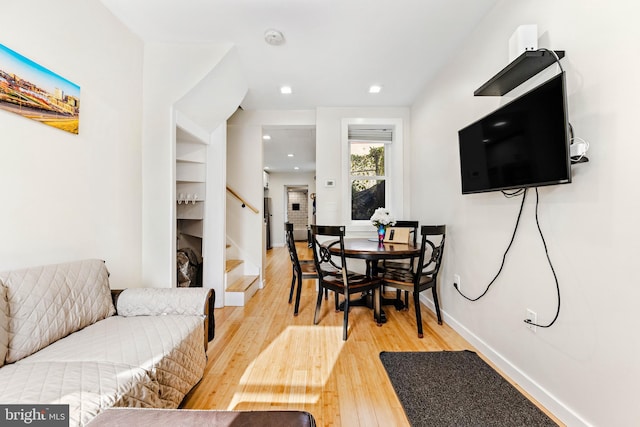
column 243, row 268
column 240, row 282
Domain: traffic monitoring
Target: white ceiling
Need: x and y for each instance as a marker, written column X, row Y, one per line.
column 297, row 140
column 333, row 50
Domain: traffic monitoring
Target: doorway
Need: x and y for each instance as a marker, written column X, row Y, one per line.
column 289, row 155
column 297, row 210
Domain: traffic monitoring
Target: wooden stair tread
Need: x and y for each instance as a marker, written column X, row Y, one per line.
column 231, row 264
column 242, row 284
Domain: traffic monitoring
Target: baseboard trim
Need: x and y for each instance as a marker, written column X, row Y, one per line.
column 546, row 399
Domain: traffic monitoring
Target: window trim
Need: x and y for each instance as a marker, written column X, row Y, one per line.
column 393, row 170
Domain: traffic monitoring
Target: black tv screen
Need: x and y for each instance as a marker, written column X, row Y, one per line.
column 524, row 143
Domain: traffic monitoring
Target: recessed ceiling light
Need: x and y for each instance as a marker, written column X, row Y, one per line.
column 266, row 167
column 285, row 90
column 375, row 89
column 296, row 168
column 290, row 155
column 266, row 137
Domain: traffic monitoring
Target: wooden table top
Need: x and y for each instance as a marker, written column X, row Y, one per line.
column 370, row 249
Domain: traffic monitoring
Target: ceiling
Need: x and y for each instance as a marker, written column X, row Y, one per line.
column 285, row 140
column 333, row 50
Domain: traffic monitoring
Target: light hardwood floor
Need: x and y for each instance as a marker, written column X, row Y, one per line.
column 264, row 358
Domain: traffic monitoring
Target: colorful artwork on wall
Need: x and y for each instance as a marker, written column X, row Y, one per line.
column 29, row 89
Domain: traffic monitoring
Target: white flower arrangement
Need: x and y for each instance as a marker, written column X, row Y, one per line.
column 382, row 216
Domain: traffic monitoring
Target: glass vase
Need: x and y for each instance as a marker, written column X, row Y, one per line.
column 381, row 233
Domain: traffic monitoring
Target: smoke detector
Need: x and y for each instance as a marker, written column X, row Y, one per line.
column 273, row 37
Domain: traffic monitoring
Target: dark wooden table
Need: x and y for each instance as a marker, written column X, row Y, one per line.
column 144, row 417
column 371, row 251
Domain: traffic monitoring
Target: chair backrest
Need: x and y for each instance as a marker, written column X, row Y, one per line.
column 432, row 249
column 413, row 225
column 291, row 245
column 324, row 260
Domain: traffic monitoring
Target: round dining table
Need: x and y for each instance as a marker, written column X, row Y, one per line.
column 373, row 251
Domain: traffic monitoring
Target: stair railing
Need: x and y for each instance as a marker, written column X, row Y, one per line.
column 242, row 200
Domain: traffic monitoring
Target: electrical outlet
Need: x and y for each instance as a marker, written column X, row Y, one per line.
column 532, row 317
column 456, row 280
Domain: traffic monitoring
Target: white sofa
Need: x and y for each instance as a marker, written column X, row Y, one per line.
column 61, row 341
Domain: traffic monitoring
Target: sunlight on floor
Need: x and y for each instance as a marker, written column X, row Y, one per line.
column 281, row 372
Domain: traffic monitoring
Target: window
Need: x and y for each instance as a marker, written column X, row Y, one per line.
column 372, row 153
column 367, row 178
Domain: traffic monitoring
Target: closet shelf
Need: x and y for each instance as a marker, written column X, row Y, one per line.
column 187, row 160
column 193, row 217
column 191, row 228
column 190, row 211
column 517, row 72
column 189, row 181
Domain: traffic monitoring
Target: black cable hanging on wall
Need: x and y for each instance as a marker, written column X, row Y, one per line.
column 555, row 277
column 504, row 256
column 523, row 192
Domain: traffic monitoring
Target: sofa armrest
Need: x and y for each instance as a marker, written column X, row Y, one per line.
column 159, row 301
column 162, row 301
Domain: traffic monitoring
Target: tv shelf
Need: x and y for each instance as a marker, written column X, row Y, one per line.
column 517, row 72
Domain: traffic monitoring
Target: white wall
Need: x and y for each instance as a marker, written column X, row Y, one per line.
column 244, row 176
column 244, row 152
column 214, row 249
column 277, row 192
column 585, row 367
column 109, row 191
column 329, row 160
column 167, row 80
column 69, row 196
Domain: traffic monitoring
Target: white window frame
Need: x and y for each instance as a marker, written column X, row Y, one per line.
column 393, row 170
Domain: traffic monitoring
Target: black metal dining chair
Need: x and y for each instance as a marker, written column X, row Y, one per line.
column 346, row 283
column 424, row 275
column 300, row 269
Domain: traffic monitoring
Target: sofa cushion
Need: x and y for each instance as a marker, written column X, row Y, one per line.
column 49, row 302
column 87, row 387
column 169, row 347
column 4, row 324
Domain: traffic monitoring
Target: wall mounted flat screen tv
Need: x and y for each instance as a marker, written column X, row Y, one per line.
column 524, row 143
